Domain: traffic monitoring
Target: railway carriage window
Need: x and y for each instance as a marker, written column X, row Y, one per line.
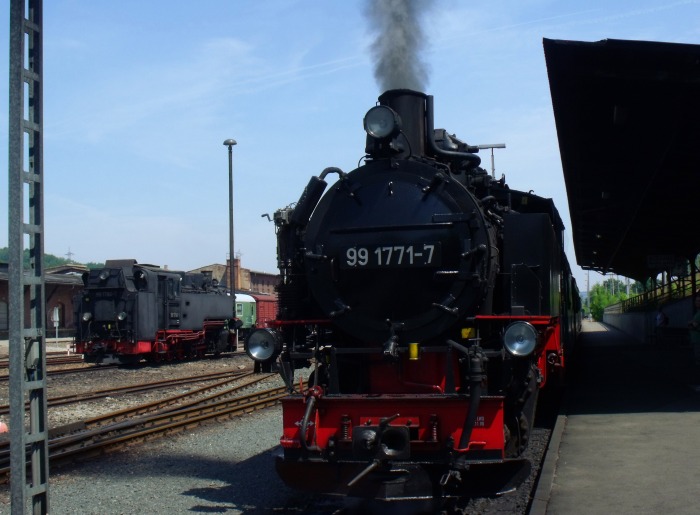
column 140, row 280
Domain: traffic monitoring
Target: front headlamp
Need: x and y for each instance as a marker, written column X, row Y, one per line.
column 87, row 316
column 382, row 122
column 520, row 339
column 262, row 344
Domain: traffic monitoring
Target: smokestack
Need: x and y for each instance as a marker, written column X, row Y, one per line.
column 399, row 41
column 410, row 106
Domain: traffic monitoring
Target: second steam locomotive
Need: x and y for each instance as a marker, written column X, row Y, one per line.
column 434, row 303
column 128, row 312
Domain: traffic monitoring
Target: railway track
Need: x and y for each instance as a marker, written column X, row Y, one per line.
column 139, row 388
column 64, row 371
column 113, row 431
column 60, row 359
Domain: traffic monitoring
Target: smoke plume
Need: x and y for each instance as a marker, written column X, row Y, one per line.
column 399, row 42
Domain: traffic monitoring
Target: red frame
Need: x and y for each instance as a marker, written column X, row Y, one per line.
column 417, row 394
column 416, row 410
column 168, row 343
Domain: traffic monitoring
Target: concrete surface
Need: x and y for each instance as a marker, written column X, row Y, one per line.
column 630, row 432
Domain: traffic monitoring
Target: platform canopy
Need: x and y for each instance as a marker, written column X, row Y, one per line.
column 628, row 122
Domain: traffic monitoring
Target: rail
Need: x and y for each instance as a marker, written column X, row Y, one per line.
column 104, row 434
column 139, row 388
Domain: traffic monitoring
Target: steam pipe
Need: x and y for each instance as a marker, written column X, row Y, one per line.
column 476, row 376
column 474, row 402
column 310, row 405
column 311, row 195
column 473, row 159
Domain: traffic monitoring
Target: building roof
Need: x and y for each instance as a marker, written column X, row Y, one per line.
column 52, row 276
column 71, row 268
column 628, row 122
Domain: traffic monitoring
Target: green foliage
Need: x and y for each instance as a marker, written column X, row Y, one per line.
column 636, row 288
column 611, row 291
column 49, row 259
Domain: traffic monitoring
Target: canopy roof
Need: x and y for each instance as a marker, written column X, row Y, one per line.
column 628, row 121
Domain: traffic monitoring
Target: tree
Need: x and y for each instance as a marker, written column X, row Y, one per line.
column 611, row 291
column 49, row 259
column 636, row 288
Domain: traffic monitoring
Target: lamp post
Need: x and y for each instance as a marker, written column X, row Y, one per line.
column 232, row 273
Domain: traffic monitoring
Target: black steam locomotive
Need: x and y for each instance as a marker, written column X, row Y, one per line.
column 434, row 303
column 128, row 312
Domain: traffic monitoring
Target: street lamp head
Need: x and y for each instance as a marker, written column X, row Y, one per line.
column 230, row 142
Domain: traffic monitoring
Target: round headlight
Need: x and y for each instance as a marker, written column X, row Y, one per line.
column 104, row 274
column 262, row 344
column 87, row 316
column 520, row 339
column 382, row 122
column 121, row 316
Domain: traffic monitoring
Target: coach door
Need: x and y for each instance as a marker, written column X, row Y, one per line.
column 169, row 299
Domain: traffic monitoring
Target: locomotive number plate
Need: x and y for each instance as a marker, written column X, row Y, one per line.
column 392, row 256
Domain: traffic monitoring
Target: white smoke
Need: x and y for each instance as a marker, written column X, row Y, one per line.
column 399, row 40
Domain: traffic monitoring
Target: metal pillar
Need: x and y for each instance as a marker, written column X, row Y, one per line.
column 232, row 265
column 29, row 449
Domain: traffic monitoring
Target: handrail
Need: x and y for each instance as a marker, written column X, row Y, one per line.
column 678, row 288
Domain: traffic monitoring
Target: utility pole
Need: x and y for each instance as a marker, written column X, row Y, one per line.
column 493, row 162
column 232, row 268
column 30, row 478
column 588, row 291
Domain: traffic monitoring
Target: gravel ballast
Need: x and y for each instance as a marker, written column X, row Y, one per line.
column 220, row 467
column 225, row 467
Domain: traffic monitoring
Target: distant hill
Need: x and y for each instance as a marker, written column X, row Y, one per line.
column 49, row 259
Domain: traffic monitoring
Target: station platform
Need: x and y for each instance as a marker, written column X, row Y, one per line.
column 628, row 437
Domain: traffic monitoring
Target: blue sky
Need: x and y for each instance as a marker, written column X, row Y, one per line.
column 140, row 95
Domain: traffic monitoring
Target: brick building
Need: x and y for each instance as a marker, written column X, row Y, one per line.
column 246, row 280
column 61, row 285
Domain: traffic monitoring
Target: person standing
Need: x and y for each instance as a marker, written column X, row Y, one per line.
column 661, row 323
column 694, row 327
